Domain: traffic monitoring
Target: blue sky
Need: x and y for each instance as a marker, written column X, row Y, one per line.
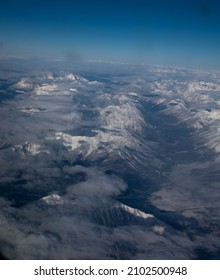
column 182, row 33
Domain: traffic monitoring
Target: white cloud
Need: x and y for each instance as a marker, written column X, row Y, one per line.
column 45, row 89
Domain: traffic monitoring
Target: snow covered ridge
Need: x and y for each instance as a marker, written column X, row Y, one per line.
column 122, row 117
column 87, row 145
column 47, row 83
column 115, row 213
column 53, row 199
column 77, row 78
column 134, row 211
column 169, row 87
column 189, row 100
column 196, row 86
column 119, row 127
column 29, row 148
column 76, row 142
column 24, row 84
column 194, row 103
column 118, row 120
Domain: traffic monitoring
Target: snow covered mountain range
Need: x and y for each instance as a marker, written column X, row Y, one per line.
column 129, row 154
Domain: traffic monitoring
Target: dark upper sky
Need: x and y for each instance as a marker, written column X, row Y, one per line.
column 184, row 33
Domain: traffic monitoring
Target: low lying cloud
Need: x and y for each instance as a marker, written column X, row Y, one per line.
column 80, row 226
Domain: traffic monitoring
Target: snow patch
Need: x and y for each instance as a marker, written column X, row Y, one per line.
column 29, row 148
column 134, row 211
column 53, row 199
